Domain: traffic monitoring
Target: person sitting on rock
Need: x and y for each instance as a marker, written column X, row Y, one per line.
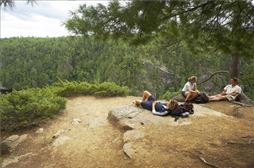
column 189, row 91
column 158, row 108
column 230, row 92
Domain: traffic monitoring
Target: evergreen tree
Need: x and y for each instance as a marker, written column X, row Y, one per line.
column 226, row 25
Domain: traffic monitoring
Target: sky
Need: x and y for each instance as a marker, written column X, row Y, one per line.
column 43, row 19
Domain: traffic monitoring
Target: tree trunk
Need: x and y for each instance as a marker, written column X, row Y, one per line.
column 235, row 66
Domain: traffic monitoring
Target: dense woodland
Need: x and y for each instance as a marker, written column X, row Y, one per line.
column 153, row 45
column 160, row 65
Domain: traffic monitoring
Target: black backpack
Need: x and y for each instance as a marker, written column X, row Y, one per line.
column 179, row 110
column 201, row 98
column 188, row 107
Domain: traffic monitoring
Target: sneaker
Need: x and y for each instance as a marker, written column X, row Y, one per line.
column 185, row 114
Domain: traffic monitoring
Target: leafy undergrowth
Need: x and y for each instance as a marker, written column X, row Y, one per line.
column 106, row 89
column 169, row 95
column 25, row 108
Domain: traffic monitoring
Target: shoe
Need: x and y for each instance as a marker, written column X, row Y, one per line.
column 185, row 114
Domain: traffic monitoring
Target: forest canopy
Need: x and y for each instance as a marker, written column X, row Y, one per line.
column 228, row 26
column 158, row 66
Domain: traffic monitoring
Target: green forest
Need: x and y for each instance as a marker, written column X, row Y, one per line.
column 159, row 66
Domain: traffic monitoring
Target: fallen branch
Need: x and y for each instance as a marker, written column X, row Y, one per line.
column 214, row 73
column 209, row 164
column 244, row 98
column 241, row 104
column 250, row 141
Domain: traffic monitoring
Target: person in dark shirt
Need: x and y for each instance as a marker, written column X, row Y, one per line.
column 158, row 108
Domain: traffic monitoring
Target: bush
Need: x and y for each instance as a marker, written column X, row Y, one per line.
column 169, row 95
column 24, row 108
column 98, row 89
column 21, row 109
column 110, row 89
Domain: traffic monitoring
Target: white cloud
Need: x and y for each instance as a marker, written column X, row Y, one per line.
column 41, row 20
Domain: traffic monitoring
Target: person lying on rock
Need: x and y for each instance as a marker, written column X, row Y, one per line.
column 189, row 91
column 230, row 92
column 158, row 108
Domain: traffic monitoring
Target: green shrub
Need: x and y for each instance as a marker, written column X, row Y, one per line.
column 169, row 95
column 28, row 107
column 25, row 108
column 98, row 89
column 110, row 89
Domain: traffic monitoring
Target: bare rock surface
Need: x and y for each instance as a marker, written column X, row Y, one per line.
column 128, row 117
column 16, row 159
column 60, row 140
column 110, row 132
column 132, row 135
column 134, row 122
column 76, row 121
column 10, row 143
column 39, row 131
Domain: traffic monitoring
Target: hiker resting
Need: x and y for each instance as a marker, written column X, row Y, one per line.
column 189, row 91
column 158, row 108
column 230, row 92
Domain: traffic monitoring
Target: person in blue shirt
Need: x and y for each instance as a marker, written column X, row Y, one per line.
column 158, row 108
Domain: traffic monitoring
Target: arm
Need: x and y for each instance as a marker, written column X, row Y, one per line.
column 194, row 90
column 158, row 113
column 234, row 93
column 237, row 91
column 153, row 106
column 223, row 92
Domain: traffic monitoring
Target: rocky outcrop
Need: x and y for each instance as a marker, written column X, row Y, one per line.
column 76, row 121
column 164, row 75
column 129, row 117
column 131, row 120
column 58, row 133
column 133, row 135
column 16, row 159
column 122, row 115
column 60, row 140
column 39, row 131
column 10, row 143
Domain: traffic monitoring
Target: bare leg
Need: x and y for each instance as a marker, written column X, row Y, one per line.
column 146, row 94
column 215, row 97
column 218, row 98
column 187, row 96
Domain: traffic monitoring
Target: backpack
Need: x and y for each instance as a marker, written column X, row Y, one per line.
column 182, row 109
column 201, row 98
column 187, row 107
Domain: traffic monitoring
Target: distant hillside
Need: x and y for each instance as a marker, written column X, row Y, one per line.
column 157, row 66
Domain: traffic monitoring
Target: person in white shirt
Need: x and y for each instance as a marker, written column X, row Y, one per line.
column 230, row 92
column 189, row 90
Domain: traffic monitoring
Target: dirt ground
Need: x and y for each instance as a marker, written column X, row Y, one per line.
column 94, row 142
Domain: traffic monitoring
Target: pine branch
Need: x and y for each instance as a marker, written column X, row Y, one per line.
column 213, row 74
